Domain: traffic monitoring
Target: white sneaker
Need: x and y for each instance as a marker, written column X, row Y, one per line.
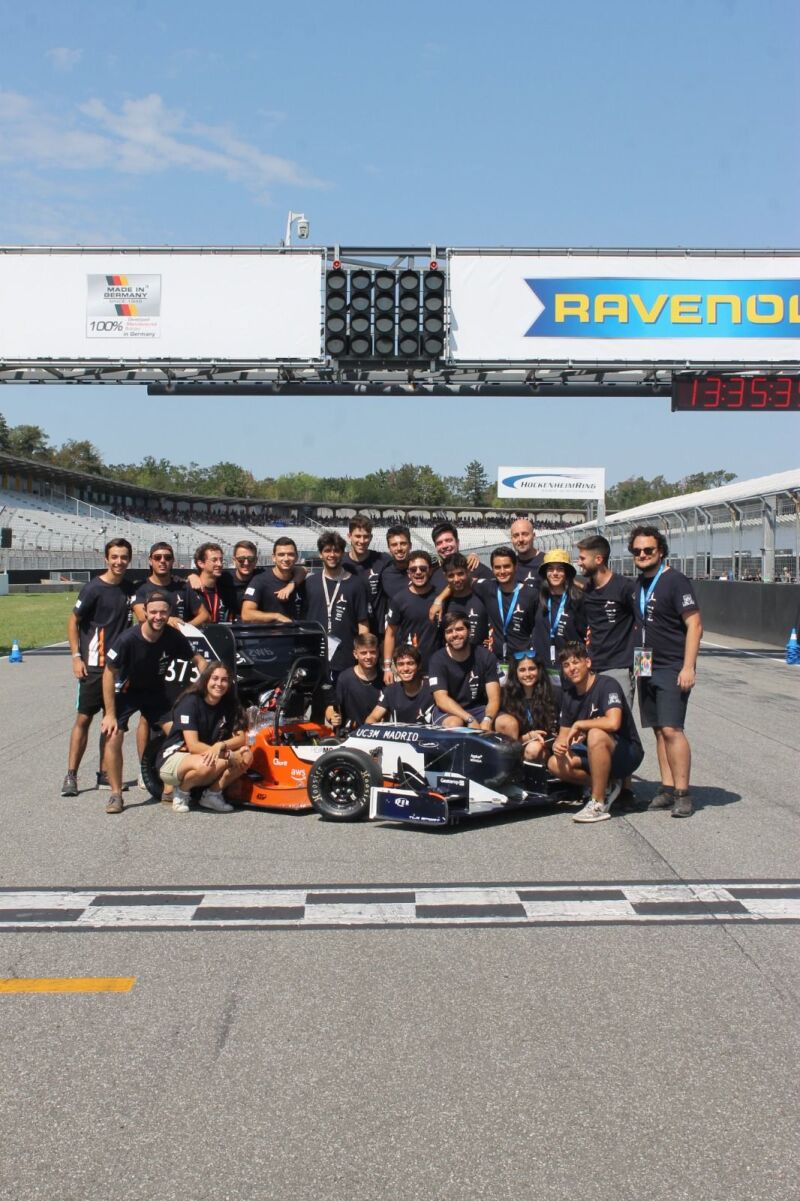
column 140, row 782
column 180, row 802
column 215, row 801
column 593, row 811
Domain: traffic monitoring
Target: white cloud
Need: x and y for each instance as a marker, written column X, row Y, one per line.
column 63, row 58
column 143, row 137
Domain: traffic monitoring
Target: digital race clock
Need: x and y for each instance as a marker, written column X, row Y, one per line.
column 735, row 393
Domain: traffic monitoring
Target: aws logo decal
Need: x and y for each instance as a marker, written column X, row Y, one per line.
column 665, row 308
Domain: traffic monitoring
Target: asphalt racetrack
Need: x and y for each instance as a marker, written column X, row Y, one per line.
column 522, row 1009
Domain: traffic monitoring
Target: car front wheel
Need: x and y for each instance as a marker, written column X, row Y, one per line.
column 339, row 784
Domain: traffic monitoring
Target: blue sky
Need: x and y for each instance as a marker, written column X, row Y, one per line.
column 536, row 124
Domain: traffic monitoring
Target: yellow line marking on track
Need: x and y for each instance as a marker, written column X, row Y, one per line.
column 67, row 984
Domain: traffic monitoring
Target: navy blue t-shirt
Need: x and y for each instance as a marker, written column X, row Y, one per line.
column 356, row 698
column 184, row 601
column 474, row 610
column 103, row 611
column 464, row 681
column 262, row 592
column 150, row 667
column 339, row 606
column 513, row 629
column 211, row 723
column 220, row 600
column 406, row 710
column 528, row 572
column 604, row 694
column 664, row 631
column 408, row 614
column 552, row 630
column 609, row 615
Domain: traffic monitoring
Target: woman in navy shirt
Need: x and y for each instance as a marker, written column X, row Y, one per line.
column 205, row 747
column 528, row 712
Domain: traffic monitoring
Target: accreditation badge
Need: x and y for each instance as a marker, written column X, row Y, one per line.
column 642, row 662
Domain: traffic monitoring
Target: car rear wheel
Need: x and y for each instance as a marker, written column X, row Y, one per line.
column 339, row 784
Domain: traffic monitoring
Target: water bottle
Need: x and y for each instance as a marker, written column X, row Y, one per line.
column 792, row 649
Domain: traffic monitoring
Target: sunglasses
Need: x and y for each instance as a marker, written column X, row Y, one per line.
column 245, row 559
column 167, row 558
column 529, row 654
column 644, row 550
column 417, row 570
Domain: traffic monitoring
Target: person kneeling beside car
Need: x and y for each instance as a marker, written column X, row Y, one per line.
column 597, row 744
column 206, row 744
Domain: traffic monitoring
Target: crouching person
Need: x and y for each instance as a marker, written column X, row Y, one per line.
column 206, row 744
column 529, row 713
column 597, row 744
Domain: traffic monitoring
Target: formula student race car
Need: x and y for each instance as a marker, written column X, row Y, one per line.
column 425, row 776
column 420, row 775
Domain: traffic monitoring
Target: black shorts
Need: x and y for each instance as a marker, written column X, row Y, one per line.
column 154, row 707
column 625, row 757
column 661, row 702
column 90, row 694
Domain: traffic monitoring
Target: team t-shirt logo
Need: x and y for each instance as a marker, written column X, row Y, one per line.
column 688, row 599
column 614, row 698
column 111, row 654
column 249, row 591
column 184, row 719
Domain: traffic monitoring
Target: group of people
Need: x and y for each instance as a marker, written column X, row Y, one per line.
column 531, row 646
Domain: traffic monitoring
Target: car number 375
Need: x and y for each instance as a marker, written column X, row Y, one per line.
column 182, row 670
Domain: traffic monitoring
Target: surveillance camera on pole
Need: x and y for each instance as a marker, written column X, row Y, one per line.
column 303, row 227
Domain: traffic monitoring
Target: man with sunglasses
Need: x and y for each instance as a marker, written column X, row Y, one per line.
column 408, row 620
column 185, row 605
column 667, row 635
column 232, row 584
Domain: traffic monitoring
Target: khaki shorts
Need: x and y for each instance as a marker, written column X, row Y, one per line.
column 170, row 768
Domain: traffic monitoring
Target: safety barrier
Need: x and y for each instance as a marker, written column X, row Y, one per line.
column 763, row 613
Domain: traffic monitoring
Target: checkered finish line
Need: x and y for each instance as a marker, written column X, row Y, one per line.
column 327, row 907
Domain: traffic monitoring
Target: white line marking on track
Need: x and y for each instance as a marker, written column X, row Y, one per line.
column 347, row 906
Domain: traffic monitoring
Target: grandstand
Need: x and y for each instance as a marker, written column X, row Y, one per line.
column 59, row 520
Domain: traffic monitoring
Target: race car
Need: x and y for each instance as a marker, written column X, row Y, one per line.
column 425, row 776
column 420, row 775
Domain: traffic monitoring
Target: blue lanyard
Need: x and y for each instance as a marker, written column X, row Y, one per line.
column 644, row 597
column 505, row 617
column 561, row 608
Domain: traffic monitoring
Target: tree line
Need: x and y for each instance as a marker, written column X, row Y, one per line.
column 409, row 484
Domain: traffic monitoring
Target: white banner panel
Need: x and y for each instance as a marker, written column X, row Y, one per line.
column 161, row 305
column 530, row 483
column 598, row 308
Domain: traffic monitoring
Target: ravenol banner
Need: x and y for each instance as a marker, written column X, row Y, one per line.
column 533, row 482
column 613, row 308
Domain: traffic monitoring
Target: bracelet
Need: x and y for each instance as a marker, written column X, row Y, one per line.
column 76, row 655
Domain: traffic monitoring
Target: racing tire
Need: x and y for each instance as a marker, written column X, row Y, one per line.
column 152, row 780
column 339, row 784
